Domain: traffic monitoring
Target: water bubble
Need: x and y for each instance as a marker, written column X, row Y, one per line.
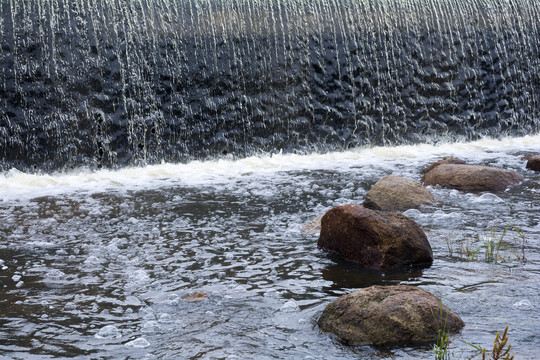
column 55, row 274
column 151, row 327
column 488, row 198
column 229, row 256
column 148, row 314
column 16, row 278
column 172, row 300
column 165, row 318
column 273, row 293
column 19, row 284
column 92, row 261
column 108, row 332
column 139, row 343
column 413, row 213
column 290, row 306
column 139, row 276
column 523, row 305
column 70, row 306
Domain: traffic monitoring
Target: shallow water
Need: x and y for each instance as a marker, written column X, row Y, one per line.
column 95, row 264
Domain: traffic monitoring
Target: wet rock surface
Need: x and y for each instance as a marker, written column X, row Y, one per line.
column 471, row 177
column 388, row 315
column 533, row 162
column 446, row 160
column 395, row 193
column 375, row 239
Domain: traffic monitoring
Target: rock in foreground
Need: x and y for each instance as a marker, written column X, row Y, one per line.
column 375, row 239
column 471, row 177
column 388, row 315
column 395, row 193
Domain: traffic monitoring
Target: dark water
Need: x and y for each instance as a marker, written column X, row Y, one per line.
column 95, row 264
column 110, row 83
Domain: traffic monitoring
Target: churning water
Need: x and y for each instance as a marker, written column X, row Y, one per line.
column 103, row 232
column 96, row 264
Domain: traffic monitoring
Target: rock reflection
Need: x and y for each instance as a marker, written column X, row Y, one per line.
column 348, row 275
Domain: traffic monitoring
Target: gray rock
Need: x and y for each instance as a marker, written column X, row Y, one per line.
column 388, row 315
column 395, row 193
column 471, row 177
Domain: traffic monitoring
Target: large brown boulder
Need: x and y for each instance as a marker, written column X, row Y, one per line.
column 388, row 315
column 375, row 239
column 395, row 193
column 533, row 162
column 471, row 177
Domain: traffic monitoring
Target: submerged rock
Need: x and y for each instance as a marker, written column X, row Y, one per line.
column 395, row 193
column 471, row 177
column 197, row 297
column 313, row 227
column 375, row 239
column 388, row 315
column 533, row 162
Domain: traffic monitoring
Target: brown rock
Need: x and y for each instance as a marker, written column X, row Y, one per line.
column 375, row 239
column 533, row 162
column 388, row 315
column 446, row 160
column 395, row 193
column 471, row 177
column 197, row 297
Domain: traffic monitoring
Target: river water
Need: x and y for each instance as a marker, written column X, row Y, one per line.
column 96, row 264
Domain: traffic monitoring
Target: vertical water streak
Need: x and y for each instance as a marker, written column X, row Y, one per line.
column 114, row 82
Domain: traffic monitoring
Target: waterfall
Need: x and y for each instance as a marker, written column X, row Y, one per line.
column 112, row 83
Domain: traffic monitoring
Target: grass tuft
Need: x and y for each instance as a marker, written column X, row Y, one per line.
column 501, row 348
column 440, row 348
column 497, row 247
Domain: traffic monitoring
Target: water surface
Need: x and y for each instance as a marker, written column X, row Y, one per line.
column 95, row 264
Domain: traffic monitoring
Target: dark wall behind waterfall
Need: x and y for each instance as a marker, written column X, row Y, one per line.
column 127, row 82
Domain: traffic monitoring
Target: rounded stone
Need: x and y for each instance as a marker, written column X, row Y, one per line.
column 396, row 193
column 533, row 162
column 388, row 315
column 375, row 239
column 471, row 177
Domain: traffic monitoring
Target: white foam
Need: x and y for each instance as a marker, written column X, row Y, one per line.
column 18, row 185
